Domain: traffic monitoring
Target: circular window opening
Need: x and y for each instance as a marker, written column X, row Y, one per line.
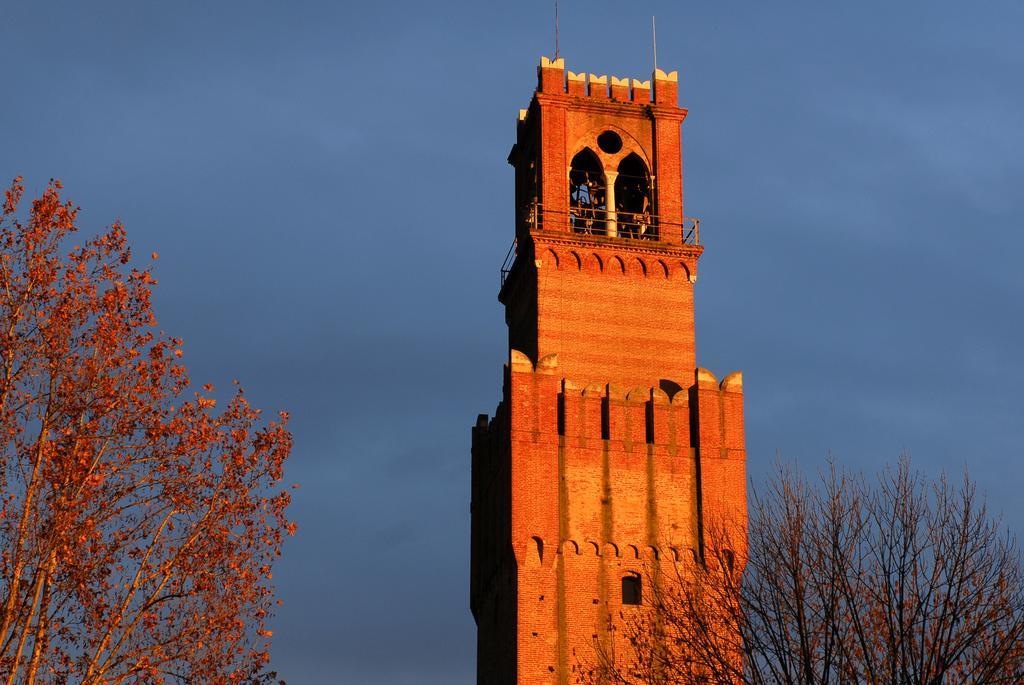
column 609, row 142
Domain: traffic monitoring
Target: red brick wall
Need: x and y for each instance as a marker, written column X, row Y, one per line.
column 613, row 315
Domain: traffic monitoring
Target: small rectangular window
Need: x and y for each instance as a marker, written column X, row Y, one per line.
column 632, row 591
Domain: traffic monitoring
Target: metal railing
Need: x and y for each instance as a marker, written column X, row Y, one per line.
column 619, row 225
column 510, row 260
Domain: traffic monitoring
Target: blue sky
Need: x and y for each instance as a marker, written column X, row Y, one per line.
column 327, row 187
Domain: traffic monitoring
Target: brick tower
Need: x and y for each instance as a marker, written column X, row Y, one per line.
column 610, row 449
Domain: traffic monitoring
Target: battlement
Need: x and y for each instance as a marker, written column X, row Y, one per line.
column 705, row 412
column 552, row 78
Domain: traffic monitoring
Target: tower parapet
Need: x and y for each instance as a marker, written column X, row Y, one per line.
column 553, row 79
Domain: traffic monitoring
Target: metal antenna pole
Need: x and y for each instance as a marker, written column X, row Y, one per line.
column 654, row 36
column 556, row 29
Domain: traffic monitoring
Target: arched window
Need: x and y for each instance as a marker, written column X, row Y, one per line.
column 633, row 199
column 632, row 589
column 587, row 193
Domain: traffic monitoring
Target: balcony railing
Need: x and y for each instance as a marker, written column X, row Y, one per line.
column 621, row 224
column 510, row 259
column 627, row 226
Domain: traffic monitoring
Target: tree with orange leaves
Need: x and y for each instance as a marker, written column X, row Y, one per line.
column 138, row 524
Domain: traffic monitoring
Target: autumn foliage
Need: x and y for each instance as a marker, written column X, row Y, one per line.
column 138, row 523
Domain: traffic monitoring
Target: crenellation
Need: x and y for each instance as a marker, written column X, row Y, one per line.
column 551, row 75
column 577, row 84
column 641, row 91
column 548, row 363
column 666, row 88
column 628, row 418
column 731, row 389
column 672, row 76
column 705, row 378
column 615, row 392
column 641, row 415
column 553, row 78
column 591, row 424
column 620, row 89
column 681, row 418
column 733, row 382
column 659, row 418
column 519, row 362
column 639, row 395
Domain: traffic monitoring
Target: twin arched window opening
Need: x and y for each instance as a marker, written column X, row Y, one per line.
column 624, row 210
